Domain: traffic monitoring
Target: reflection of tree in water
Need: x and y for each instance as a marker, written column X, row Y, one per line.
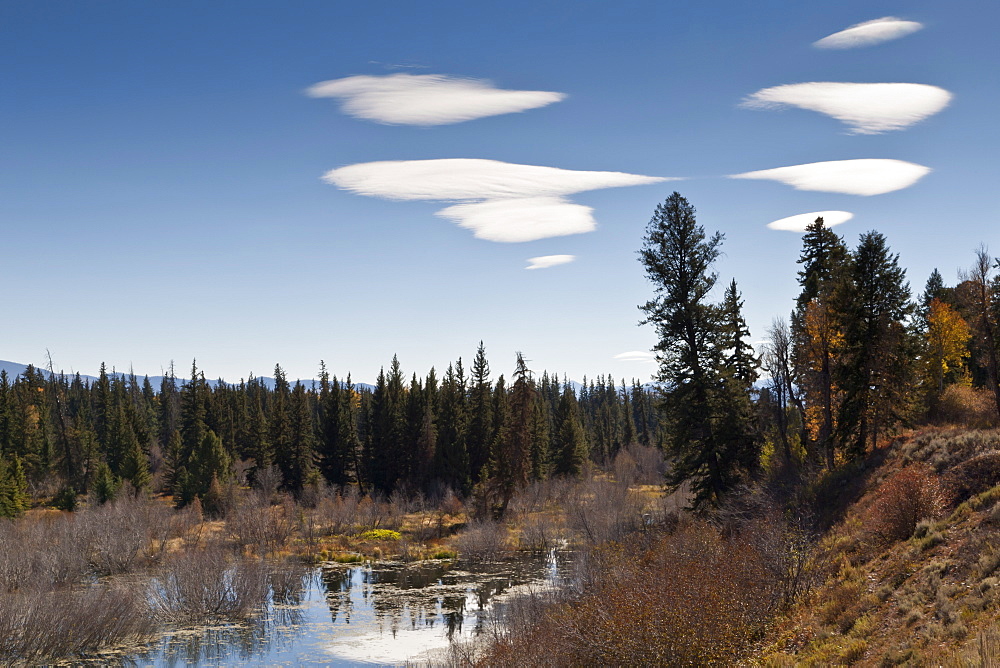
column 276, row 626
column 337, row 582
column 421, row 595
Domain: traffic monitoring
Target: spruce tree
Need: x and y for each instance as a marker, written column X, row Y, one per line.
column 452, row 457
column 878, row 350
column 710, row 446
column 481, row 427
column 569, row 444
column 816, row 329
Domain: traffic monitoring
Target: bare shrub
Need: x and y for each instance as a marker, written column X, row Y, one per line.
column 539, row 533
column 968, row 406
column 692, row 597
column 651, row 466
column 639, row 465
column 266, row 481
column 258, row 525
column 482, row 540
column 625, row 468
column 907, row 497
column 37, row 626
column 599, row 511
column 116, row 534
column 202, row 584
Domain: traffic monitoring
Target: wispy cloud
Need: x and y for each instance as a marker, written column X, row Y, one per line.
column 867, row 108
column 851, row 177
column 869, row 33
column 427, row 99
column 635, row 356
column 799, row 222
column 546, row 261
column 498, row 201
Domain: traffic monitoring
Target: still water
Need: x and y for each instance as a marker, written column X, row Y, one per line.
column 364, row 615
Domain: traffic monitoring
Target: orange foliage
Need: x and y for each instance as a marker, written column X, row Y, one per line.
column 910, row 495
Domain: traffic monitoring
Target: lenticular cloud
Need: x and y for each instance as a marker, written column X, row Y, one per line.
column 799, row 222
column 546, row 261
column 635, row 356
column 869, row 33
column 427, row 99
column 867, row 108
column 851, row 177
column 498, row 201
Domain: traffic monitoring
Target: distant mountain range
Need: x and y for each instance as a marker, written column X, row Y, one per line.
column 15, row 369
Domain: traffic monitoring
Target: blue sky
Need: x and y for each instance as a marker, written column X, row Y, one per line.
column 162, row 194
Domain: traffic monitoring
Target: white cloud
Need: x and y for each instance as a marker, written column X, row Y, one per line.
column 635, row 356
column 472, row 179
column 427, row 99
column 867, row 108
column 799, row 222
column 527, row 219
column 869, row 33
column 546, row 261
column 498, row 201
column 851, row 177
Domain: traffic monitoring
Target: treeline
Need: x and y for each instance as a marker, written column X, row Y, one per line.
column 858, row 357
column 461, row 431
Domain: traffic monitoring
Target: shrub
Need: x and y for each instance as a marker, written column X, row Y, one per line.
column 202, row 584
column 972, row 477
column 690, row 598
column 960, row 404
column 380, row 534
column 482, row 540
column 38, row 626
column 907, row 497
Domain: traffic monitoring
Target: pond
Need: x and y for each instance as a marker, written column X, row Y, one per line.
column 371, row 614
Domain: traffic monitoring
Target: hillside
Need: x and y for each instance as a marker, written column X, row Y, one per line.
column 910, row 574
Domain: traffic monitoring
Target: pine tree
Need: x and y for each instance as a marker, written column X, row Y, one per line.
column 709, row 443
column 816, row 329
column 481, row 427
column 569, row 444
column 740, row 360
column 14, row 498
column 452, row 456
column 299, row 463
column 280, row 423
column 877, row 349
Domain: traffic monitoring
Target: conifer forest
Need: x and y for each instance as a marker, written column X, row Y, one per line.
column 731, row 508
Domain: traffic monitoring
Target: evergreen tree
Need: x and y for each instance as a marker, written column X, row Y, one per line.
column 452, row 456
column 816, row 329
column 298, row 465
column 106, row 484
column 280, row 423
column 877, row 349
column 14, row 498
column 741, row 361
column 709, row 445
column 481, row 428
column 569, row 444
